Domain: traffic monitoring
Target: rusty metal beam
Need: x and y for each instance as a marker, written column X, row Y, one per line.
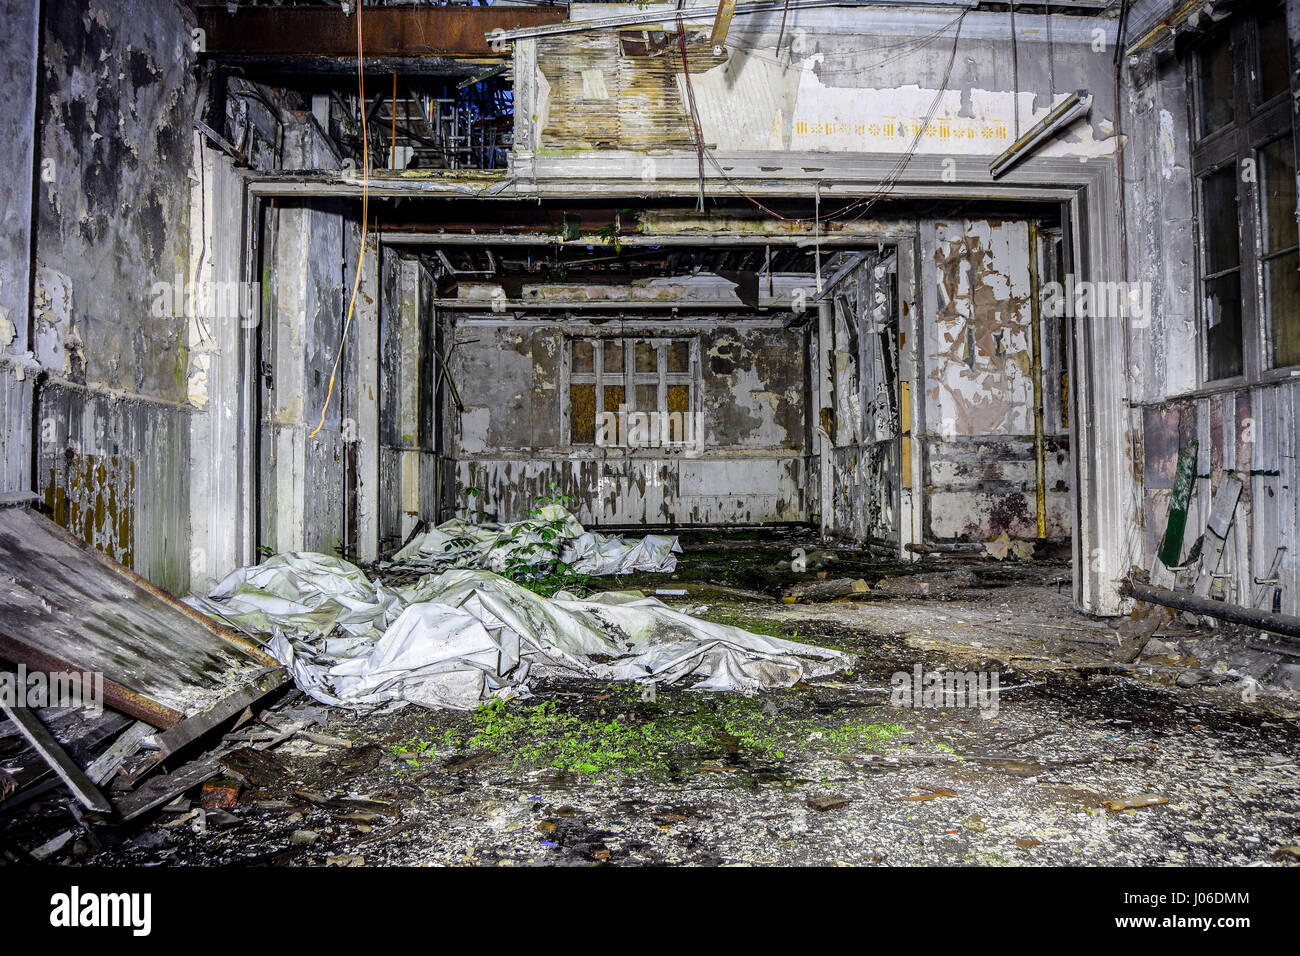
column 386, row 32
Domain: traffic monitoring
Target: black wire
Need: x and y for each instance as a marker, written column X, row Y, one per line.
column 885, row 184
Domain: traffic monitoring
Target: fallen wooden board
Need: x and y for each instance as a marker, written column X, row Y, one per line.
column 1223, row 507
column 127, row 745
column 159, row 790
column 191, row 729
column 67, row 608
column 43, row 743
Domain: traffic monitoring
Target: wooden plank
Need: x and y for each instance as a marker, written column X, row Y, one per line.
column 160, row 790
column 66, row 607
column 106, row 764
column 116, row 696
column 44, row 744
column 192, row 728
column 1222, row 509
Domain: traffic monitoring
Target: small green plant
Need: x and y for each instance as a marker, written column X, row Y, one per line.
column 610, row 235
column 475, row 495
column 535, row 558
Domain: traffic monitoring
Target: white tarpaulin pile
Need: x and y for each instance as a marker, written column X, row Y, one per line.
column 463, row 636
column 462, row 544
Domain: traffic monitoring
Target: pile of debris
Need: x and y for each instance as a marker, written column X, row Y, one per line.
column 163, row 692
column 114, row 684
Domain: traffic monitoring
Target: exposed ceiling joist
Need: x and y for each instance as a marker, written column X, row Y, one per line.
column 386, row 32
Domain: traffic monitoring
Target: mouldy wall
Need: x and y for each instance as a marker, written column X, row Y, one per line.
column 978, row 386
column 510, row 441
column 826, row 89
column 112, row 219
column 1247, row 432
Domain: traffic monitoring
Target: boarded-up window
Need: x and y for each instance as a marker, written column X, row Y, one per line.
column 613, row 377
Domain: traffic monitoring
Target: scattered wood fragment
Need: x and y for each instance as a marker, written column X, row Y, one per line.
column 829, row 590
column 930, row 794
column 43, row 742
column 1137, row 802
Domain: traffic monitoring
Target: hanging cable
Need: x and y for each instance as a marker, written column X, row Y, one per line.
column 862, row 204
column 696, row 132
column 365, row 209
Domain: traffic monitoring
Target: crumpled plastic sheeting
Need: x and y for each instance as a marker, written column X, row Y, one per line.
column 459, row 543
column 595, row 553
column 463, row 636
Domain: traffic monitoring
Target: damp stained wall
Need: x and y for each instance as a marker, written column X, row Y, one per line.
column 511, row 439
column 977, row 380
column 108, row 366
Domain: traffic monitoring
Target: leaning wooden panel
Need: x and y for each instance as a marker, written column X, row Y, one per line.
column 66, row 607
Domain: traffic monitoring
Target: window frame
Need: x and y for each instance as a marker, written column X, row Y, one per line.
column 629, row 378
column 1255, row 124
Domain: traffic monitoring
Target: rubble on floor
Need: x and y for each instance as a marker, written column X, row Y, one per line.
column 1096, row 751
column 1083, row 763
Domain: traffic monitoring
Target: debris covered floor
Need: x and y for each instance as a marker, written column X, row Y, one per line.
column 1095, row 755
column 942, row 333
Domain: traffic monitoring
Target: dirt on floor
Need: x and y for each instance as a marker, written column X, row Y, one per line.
column 1144, row 740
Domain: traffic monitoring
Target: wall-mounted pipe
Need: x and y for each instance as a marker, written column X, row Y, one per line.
column 1036, row 370
column 1232, row 613
column 1074, row 106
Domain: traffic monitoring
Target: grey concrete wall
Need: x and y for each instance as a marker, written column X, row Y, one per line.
column 105, row 388
column 510, row 440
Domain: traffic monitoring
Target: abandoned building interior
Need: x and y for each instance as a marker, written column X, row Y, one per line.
column 539, row 433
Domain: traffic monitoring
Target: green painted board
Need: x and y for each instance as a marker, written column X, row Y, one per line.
column 1171, row 547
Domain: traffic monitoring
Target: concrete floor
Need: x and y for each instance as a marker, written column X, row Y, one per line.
column 1086, row 723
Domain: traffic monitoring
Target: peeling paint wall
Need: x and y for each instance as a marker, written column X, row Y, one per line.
column 862, row 83
column 979, row 389
column 1247, row 431
column 103, row 380
column 510, row 440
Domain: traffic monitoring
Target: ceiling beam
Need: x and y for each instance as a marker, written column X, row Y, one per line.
column 386, row 32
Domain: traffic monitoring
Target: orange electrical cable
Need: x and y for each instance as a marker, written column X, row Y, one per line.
column 365, row 209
